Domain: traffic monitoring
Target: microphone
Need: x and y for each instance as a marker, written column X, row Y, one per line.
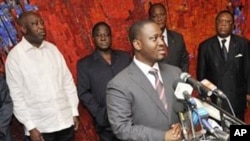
column 196, row 84
column 201, row 115
column 214, row 89
column 183, row 92
column 183, row 125
column 214, row 112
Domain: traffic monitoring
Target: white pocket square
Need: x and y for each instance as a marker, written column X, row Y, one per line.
column 239, row 55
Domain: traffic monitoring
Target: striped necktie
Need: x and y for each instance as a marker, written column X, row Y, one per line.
column 159, row 87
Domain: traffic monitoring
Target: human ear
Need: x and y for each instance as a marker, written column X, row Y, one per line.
column 137, row 44
column 23, row 29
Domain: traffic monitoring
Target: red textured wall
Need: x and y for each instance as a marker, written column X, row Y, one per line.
column 69, row 24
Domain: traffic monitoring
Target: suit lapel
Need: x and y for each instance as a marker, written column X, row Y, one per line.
column 217, row 50
column 138, row 76
column 171, row 40
column 232, row 49
column 225, row 64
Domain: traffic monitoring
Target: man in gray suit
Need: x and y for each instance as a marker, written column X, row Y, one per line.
column 135, row 111
column 177, row 54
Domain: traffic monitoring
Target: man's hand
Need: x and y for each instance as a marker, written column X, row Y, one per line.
column 248, row 99
column 76, row 123
column 174, row 133
column 35, row 135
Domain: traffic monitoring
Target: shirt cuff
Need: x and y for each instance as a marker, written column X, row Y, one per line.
column 75, row 112
column 29, row 125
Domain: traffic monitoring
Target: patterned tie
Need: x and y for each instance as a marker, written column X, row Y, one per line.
column 224, row 49
column 159, row 87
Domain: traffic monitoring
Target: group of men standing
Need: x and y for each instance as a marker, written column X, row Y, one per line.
column 129, row 98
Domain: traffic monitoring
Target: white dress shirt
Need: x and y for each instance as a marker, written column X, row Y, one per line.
column 226, row 43
column 146, row 68
column 41, row 86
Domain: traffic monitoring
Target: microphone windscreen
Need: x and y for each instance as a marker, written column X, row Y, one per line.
column 176, row 82
column 182, row 88
column 184, row 76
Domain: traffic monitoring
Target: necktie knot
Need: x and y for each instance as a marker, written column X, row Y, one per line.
column 154, row 72
column 223, row 41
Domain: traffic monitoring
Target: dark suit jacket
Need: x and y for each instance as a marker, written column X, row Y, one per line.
column 232, row 77
column 177, row 53
column 6, row 109
column 93, row 74
column 134, row 109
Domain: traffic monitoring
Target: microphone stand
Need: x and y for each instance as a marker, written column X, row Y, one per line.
column 190, row 109
column 222, row 118
column 226, row 115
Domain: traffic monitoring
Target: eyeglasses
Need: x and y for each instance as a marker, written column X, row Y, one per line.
column 102, row 35
column 158, row 16
column 224, row 21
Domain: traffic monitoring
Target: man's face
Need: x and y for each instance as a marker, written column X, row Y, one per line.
column 151, row 44
column 34, row 29
column 158, row 15
column 224, row 25
column 102, row 38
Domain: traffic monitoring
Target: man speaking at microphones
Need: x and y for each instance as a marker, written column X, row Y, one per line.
column 140, row 99
column 224, row 59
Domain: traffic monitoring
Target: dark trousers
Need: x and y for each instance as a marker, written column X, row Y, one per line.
column 62, row 135
column 107, row 135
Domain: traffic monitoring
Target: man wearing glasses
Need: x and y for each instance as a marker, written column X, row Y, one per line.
column 224, row 59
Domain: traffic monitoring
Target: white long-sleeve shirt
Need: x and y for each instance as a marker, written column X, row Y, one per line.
column 41, row 86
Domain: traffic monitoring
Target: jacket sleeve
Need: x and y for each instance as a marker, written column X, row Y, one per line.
column 87, row 99
column 122, row 124
column 201, row 63
column 184, row 57
column 6, row 108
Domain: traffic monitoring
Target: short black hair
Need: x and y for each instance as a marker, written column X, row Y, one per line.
column 22, row 17
column 152, row 6
column 94, row 29
column 225, row 11
column 136, row 28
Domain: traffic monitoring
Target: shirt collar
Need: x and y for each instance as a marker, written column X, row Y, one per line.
column 28, row 46
column 144, row 67
column 227, row 38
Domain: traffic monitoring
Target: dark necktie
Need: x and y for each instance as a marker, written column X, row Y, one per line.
column 224, row 49
column 159, row 87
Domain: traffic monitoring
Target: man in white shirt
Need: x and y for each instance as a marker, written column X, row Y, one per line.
column 41, row 85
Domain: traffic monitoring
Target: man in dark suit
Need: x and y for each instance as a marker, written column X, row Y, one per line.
column 177, row 54
column 135, row 110
column 228, row 69
column 6, row 109
column 94, row 72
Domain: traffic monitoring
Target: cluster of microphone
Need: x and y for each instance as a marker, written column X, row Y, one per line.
column 199, row 112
